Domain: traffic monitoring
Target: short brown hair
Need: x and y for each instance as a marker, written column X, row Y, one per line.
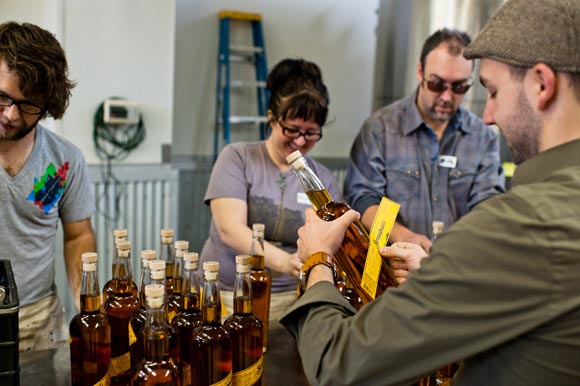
column 38, row 59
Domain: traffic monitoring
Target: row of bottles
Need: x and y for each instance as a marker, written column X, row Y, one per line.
column 163, row 336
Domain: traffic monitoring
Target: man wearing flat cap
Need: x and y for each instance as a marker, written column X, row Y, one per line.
column 500, row 290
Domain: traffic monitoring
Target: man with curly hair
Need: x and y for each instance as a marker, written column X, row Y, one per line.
column 43, row 179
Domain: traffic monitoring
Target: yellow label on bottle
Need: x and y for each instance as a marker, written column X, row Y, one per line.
column 69, row 340
column 250, row 375
column 170, row 316
column 186, row 381
column 227, row 381
column 132, row 337
column 378, row 237
column 106, row 380
column 120, row 364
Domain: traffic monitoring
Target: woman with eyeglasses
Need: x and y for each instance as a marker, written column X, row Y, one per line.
column 251, row 182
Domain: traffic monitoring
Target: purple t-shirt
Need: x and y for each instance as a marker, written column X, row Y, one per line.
column 244, row 170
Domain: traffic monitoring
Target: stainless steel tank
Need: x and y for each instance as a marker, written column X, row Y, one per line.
column 403, row 27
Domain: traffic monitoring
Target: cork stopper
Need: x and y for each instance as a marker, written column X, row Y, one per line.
column 211, row 266
column 438, row 227
column 182, row 244
column 296, row 160
column 157, row 265
column 148, row 254
column 167, row 232
column 243, row 263
column 191, row 257
column 258, row 227
column 154, row 290
column 120, row 233
column 293, row 156
column 243, row 259
column 89, row 257
column 124, row 245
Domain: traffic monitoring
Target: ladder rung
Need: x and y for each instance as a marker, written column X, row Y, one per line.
column 247, row 83
column 238, row 15
column 236, row 119
column 246, row 49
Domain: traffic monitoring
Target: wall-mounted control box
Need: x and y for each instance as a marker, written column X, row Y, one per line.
column 121, row 112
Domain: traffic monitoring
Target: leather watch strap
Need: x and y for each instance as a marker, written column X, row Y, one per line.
column 316, row 259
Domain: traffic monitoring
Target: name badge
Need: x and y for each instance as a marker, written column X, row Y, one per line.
column 447, row 161
column 302, row 198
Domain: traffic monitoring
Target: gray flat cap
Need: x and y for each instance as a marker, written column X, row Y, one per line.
column 525, row 32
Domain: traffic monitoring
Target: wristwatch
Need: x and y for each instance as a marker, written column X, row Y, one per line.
column 311, row 262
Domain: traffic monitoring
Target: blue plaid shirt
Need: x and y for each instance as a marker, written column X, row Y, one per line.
column 397, row 155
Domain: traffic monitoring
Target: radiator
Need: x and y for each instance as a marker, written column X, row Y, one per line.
column 140, row 198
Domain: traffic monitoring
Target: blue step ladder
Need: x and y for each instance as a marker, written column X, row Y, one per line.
column 229, row 54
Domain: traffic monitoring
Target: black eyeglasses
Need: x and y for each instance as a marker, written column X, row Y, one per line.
column 23, row 106
column 309, row 136
column 460, row 87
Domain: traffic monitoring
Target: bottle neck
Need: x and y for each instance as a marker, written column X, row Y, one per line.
column 90, row 293
column 211, row 305
column 257, row 250
column 123, row 276
column 167, row 252
column 190, row 292
column 313, row 187
column 243, row 293
column 156, row 333
column 178, row 272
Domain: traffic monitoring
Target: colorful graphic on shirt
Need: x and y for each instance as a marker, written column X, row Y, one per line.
column 48, row 189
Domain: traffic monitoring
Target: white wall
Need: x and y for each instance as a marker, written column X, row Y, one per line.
column 163, row 53
column 339, row 35
column 114, row 48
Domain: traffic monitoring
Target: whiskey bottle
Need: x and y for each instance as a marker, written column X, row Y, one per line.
column 190, row 316
column 119, row 235
column 245, row 329
column 211, row 343
column 138, row 318
column 174, row 300
column 167, row 254
column 119, row 309
column 351, row 256
column 90, row 332
column 157, row 367
column 261, row 281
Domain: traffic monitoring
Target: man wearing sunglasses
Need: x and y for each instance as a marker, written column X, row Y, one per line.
column 425, row 152
column 43, row 181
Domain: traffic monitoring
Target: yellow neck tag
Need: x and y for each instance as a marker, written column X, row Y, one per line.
column 378, row 237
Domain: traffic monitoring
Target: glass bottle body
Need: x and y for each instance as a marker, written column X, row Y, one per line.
column 247, row 343
column 90, row 344
column 157, row 367
column 261, row 291
column 211, row 343
column 211, row 352
column 185, row 323
column 119, row 309
column 351, row 256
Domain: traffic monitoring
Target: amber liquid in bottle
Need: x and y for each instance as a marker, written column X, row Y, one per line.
column 190, row 316
column 261, row 281
column 119, row 309
column 245, row 329
column 174, row 299
column 167, row 253
column 351, row 255
column 120, row 236
column 211, row 343
column 90, row 332
column 157, row 367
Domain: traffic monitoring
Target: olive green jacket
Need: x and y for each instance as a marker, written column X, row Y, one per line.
column 501, row 291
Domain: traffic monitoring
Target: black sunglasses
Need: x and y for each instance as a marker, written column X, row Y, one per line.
column 460, row 87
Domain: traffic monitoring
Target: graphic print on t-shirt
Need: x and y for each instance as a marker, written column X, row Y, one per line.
column 48, row 189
